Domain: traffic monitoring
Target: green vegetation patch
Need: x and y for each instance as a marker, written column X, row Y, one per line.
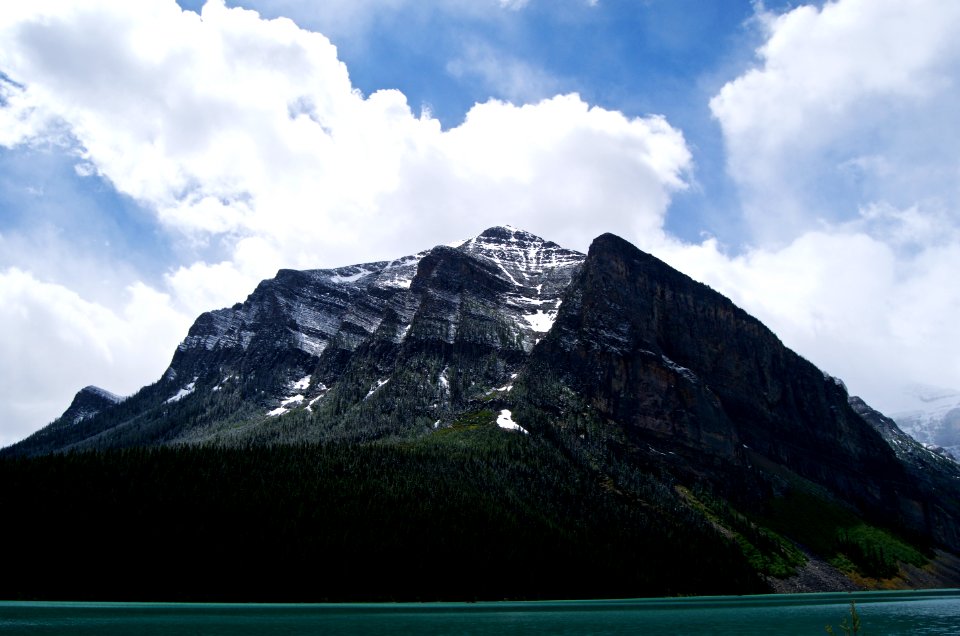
column 767, row 551
column 481, row 437
column 469, row 421
column 850, row 544
column 477, row 418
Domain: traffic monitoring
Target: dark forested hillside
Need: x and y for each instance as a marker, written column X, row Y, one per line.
column 480, row 513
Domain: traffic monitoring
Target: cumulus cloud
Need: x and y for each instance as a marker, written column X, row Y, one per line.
column 842, row 142
column 850, row 101
column 558, row 167
column 245, row 138
column 55, row 342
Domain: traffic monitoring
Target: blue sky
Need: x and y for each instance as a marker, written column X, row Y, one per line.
column 157, row 161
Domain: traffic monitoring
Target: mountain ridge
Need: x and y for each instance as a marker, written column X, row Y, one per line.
column 657, row 385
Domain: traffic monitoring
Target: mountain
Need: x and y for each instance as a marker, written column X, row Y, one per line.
column 933, row 418
column 635, row 392
column 89, row 401
column 386, row 348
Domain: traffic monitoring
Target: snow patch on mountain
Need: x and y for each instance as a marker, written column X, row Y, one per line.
column 183, row 392
column 220, row 386
column 316, row 399
column 505, row 420
column 542, row 321
column 351, row 278
column 374, row 389
column 286, row 405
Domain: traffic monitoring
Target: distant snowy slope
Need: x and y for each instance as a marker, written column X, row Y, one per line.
column 933, row 418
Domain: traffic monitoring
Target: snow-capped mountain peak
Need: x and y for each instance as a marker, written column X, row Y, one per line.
column 932, row 416
column 522, row 255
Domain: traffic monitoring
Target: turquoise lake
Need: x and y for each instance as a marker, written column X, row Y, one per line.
column 915, row 613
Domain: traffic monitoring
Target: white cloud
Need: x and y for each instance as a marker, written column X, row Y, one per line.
column 55, row 342
column 201, row 286
column 855, row 100
column 559, row 168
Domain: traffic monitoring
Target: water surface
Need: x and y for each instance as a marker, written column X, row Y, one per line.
column 889, row 613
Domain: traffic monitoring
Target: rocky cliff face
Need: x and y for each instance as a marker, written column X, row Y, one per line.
column 672, row 366
column 935, row 476
column 625, row 362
